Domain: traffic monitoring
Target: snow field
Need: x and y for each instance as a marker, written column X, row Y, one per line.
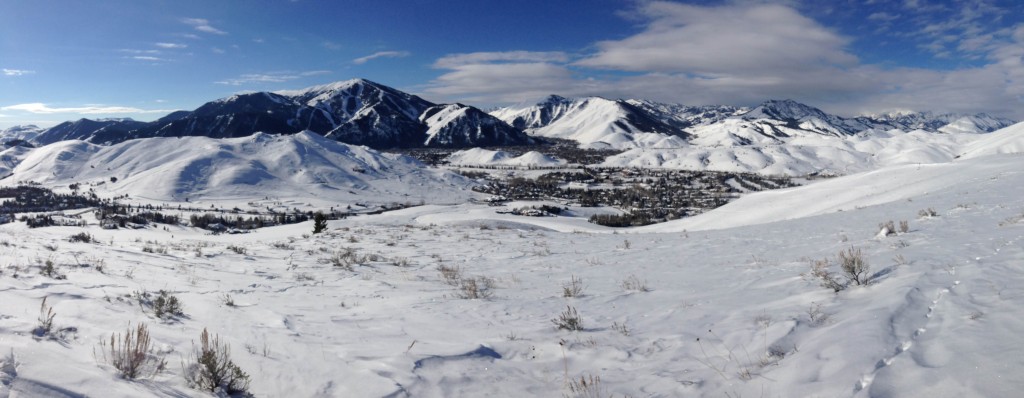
column 727, row 311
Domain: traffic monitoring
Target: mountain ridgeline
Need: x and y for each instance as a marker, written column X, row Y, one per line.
column 366, row 113
column 355, row 112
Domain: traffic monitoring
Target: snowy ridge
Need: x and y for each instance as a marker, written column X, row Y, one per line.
column 593, row 122
column 485, row 157
column 1009, row 140
column 602, row 123
column 457, row 125
column 304, row 165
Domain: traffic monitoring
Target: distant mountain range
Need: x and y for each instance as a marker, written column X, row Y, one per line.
column 366, row 113
column 354, row 111
column 600, row 122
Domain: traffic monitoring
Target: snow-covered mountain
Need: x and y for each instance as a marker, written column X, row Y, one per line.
column 98, row 131
column 20, row 133
column 304, row 165
column 355, row 111
column 595, row 121
column 458, row 126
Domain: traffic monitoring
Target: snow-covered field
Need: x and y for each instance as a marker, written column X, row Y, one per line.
column 718, row 305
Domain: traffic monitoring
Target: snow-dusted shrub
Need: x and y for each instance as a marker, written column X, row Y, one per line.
column 854, row 267
column 573, row 288
column 472, row 288
column 452, row 275
column 83, row 237
column 167, row 305
column 210, row 367
column 927, row 213
column 632, row 283
column 46, row 315
column 132, row 354
column 819, row 270
column 586, row 387
column 569, row 320
column 904, row 226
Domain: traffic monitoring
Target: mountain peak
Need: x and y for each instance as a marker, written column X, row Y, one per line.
column 553, row 99
column 785, row 109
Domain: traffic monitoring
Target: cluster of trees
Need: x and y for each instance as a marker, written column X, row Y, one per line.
column 32, row 199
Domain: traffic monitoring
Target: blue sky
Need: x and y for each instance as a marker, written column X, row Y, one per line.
column 62, row 60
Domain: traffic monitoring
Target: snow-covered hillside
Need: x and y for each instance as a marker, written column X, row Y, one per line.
column 440, row 301
column 808, row 154
column 304, row 165
column 593, row 122
column 486, row 157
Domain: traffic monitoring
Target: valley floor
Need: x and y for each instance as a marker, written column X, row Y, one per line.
column 695, row 311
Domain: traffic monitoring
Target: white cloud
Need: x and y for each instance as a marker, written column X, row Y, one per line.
column 380, row 54
column 270, row 77
column 453, row 61
column 202, row 25
column 17, row 72
column 41, row 108
column 743, row 55
column 722, row 40
column 330, row 45
column 503, row 83
column 147, row 58
column 171, row 45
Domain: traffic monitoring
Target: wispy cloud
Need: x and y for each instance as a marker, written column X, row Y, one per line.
column 270, row 77
column 511, row 76
column 171, row 45
column 330, row 45
column 453, row 61
column 202, row 25
column 134, row 51
column 147, row 58
column 41, row 108
column 17, row 72
column 380, row 54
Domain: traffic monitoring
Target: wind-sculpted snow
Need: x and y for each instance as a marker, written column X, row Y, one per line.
column 304, row 165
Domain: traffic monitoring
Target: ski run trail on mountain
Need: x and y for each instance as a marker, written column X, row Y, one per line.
column 718, row 305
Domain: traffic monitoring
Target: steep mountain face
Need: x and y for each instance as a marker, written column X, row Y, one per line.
column 355, row 111
column 594, row 122
column 457, row 126
column 99, row 131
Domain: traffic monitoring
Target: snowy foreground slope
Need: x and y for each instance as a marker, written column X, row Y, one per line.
column 721, row 309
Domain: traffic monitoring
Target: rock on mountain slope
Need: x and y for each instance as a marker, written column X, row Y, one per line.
column 459, row 126
column 304, row 165
column 355, row 111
